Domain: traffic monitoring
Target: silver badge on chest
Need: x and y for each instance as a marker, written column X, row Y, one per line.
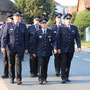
column 11, row 29
column 40, row 37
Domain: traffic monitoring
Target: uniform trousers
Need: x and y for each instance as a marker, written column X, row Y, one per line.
column 66, row 59
column 43, row 66
column 15, row 58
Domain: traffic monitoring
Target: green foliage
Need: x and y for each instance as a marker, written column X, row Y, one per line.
column 31, row 8
column 20, row 4
column 74, row 16
column 51, row 21
column 82, row 21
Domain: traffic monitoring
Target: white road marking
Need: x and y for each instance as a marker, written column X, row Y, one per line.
column 76, row 56
column 86, row 59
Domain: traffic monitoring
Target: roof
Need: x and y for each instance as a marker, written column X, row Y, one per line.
column 56, row 3
column 6, row 5
column 71, row 10
column 87, row 3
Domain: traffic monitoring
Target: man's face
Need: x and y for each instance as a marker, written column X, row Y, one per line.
column 58, row 19
column 43, row 25
column 36, row 21
column 17, row 18
column 9, row 20
column 67, row 21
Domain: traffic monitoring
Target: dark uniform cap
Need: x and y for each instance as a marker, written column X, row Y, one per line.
column 10, row 16
column 36, row 17
column 67, row 16
column 58, row 15
column 18, row 13
column 43, row 20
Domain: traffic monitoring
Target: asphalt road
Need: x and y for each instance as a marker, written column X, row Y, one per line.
column 79, row 76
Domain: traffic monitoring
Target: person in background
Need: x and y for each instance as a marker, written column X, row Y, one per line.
column 5, row 57
column 57, row 56
column 33, row 61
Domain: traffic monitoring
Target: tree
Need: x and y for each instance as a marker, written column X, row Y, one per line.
column 82, row 21
column 20, row 4
column 74, row 14
column 31, row 8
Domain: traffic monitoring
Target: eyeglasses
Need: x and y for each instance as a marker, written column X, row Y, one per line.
column 68, row 18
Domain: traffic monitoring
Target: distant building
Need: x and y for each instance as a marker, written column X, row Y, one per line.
column 60, row 8
column 72, row 10
column 6, row 7
column 83, row 5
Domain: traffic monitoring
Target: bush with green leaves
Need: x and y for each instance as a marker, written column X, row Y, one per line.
column 82, row 21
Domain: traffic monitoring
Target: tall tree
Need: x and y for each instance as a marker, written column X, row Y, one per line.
column 20, row 4
column 31, row 8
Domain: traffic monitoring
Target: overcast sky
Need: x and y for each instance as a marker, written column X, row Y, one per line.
column 66, row 2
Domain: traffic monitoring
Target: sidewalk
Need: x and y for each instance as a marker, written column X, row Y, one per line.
column 2, row 85
column 84, row 50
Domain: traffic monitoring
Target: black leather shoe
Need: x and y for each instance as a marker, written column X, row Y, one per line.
column 67, row 80
column 33, row 75
column 12, row 81
column 57, row 74
column 19, row 82
column 63, row 81
column 5, row 76
column 41, row 82
column 45, row 81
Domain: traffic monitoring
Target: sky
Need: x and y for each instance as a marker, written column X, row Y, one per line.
column 66, row 2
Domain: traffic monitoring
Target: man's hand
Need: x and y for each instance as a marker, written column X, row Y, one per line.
column 34, row 55
column 3, row 50
column 55, row 51
column 59, row 51
column 79, row 49
column 26, row 51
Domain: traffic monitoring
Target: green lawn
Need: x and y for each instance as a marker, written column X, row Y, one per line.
column 85, row 44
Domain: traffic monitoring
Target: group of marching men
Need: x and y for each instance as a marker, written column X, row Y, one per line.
column 40, row 42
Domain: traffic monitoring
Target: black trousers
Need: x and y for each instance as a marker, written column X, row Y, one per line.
column 5, row 63
column 66, row 59
column 33, row 61
column 15, row 58
column 43, row 66
column 57, row 63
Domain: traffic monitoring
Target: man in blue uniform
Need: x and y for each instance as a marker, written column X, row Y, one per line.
column 5, row 57
column 44, row 43
column 66, row 37
column 57, row 58
column 16, row 39
column 31, row 36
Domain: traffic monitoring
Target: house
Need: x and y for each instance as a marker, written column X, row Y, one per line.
column 83, row 5
column 6, row 7
column 60, row 8
column 72, row 10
